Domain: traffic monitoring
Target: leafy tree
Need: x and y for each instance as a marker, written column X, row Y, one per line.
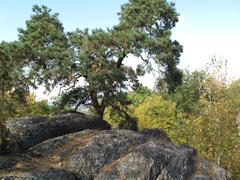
column 15, row 98
column 215, row 129
column 11, row 75
column 156, row 112
column 13, row 108
column 139, row 95
column 189, row 92
column 13, row 83
column 211, row 111
column 136, row 98
column 155, row 19
column 34, row 107
column 45, row 48
column 89, row 66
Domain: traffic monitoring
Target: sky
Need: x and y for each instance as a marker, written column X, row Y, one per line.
column 206, row 28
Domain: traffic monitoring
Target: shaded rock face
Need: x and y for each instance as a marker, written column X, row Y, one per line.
column 103, row 154
column 27, row 132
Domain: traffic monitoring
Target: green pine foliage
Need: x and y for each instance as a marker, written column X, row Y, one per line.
column 90, row 67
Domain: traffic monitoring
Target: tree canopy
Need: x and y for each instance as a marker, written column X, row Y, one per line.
column 90, row 67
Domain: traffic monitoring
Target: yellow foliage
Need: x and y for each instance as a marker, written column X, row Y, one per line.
column 155, row 112
column 214, row 128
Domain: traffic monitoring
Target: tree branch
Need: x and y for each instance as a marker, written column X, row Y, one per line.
column 119, row 110
column 120, row 59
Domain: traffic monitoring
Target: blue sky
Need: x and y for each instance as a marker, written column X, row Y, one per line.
column 73, row 14
column 206, row 28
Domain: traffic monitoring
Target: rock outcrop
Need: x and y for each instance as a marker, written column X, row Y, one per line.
column 107, row 154
column 26, row 132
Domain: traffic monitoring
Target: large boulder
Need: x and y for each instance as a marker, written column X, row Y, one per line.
column 205, row 170
column 109, row 154
column 26, row 132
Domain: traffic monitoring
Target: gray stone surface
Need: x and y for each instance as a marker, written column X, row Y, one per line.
column 26, row 132
column 108, row 154
column 206, row 170
column 38, row 174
